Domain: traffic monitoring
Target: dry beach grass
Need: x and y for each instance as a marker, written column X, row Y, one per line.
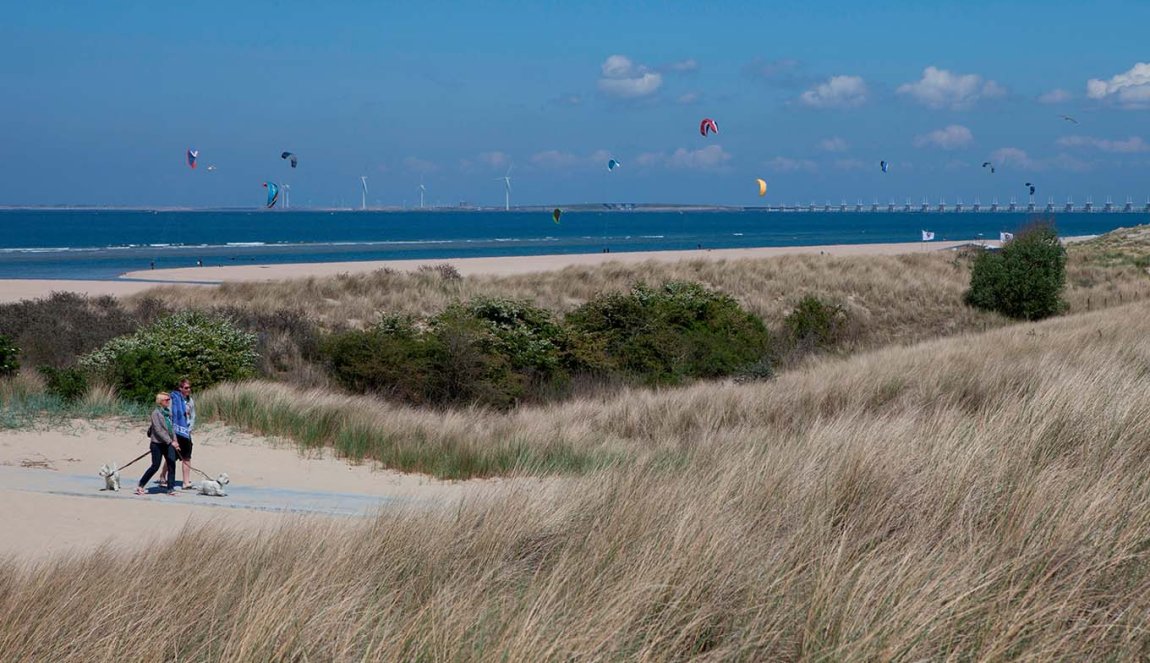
column 957, row 488
column 983, row 496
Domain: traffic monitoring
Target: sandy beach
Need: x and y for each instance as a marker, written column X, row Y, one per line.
column 503, row 266
column 55, row 502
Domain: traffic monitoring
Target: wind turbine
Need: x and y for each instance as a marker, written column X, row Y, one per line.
column 422, row 190
column 363, row 181
column 287, row 195
column 506, row 189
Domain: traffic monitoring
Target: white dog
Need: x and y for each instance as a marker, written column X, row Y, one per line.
column 213, row 488
column 111, row 476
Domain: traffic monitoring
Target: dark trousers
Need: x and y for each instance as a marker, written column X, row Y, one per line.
column 159, row 451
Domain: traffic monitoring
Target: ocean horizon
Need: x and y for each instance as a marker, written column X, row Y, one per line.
column 102, row 243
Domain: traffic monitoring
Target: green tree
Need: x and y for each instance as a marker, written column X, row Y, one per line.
column 1025, row 279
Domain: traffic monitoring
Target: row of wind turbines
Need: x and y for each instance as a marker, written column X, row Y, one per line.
column 423, row 190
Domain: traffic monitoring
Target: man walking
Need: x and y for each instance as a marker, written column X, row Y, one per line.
column 183, row 420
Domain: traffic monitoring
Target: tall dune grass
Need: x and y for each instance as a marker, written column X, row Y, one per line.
column 893, row 299
column 984, row 497
column 25, row 403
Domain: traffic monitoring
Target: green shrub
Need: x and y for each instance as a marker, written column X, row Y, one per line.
column 140, row 372
column 69, row 384
column 1024, row 280
column 57, row 330
column 388, row 362
column 529, row 337
column 662, row 335
column 469, row 362
column 815, row 324
column 205, row 348
column 455, row 360
column 9, row 356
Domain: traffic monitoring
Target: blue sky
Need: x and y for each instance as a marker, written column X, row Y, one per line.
column 100, row 101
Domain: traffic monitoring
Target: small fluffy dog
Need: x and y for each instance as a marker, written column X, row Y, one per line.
column 213, row 488
column 111, row 476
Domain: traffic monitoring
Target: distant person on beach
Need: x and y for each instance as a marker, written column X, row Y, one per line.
column 199, row 262
column 162, row 444
column 153, row 264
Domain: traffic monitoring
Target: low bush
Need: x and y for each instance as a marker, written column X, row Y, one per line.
column 665, row 334
column 470, row 363
column 815, row 324
column 454, row 360
column 67, row 383
column 56, row 330
column 1025, row 279
column 203, row 347
column 391, row 359
column 139, row 372
column 9, row 356
column 497, row 352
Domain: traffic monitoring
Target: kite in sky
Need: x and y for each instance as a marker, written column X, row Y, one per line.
column 273, row 193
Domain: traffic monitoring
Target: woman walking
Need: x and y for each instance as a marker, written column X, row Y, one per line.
column 163, row 443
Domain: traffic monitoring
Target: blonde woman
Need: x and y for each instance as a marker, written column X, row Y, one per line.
column 163, row 444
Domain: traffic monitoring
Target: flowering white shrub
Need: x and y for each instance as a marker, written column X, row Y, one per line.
column 205, row 348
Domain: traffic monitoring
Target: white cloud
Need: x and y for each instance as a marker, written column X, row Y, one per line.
column 687, row 66
column 788, row 165
column 1016, row 157
column 1012, row 156
column 623, row 79
column 1130, row 88
column 554, row 159
column 939, row 88
column 837, row 92
column 1055, row 96
column 417, row 165
column 487, row 160
column 495, row 159
column 687, row 99
column 559, row 160
column 952, row 137
column 1129, row 146
column 711, row 157
column 833, row 144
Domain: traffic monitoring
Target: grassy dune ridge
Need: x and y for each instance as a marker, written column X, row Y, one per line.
column 985, row 496
column 892, row 299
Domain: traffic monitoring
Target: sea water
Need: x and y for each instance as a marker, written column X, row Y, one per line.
column 102, row 244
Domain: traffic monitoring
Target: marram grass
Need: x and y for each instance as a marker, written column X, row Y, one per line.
column 982, row 497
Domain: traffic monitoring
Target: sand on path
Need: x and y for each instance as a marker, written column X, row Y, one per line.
column 54, row 502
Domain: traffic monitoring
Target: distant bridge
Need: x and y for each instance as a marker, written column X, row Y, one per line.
column 942, row 207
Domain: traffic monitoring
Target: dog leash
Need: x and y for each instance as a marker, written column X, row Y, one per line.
column 181, row 457
column 134, row 460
